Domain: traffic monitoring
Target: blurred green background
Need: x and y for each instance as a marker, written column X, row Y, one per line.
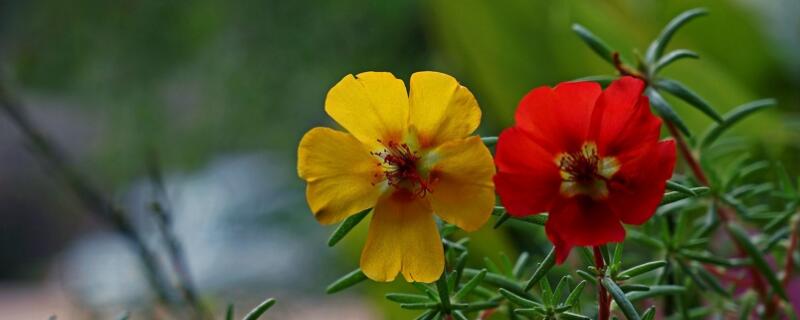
column 222, row 89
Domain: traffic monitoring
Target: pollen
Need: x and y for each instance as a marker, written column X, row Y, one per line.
column 585, row 172
column 400, row 166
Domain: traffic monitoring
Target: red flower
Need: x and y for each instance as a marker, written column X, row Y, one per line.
column 591, row 158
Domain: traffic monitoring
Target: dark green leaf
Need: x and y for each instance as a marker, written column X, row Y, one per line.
column 656, row 291
column 740, row 235
column 499, row 281
column 459, row 316
column 444, row 295
column 622, row 301
column 643, row 268
column 429, row 315
column 666, row 111
column 656, row 48
column 575, row 294
column 229, row 312
column 706, row 257
column 346, row 226
column 587, row 276
column 674, row 186
column 673, row 56
column 573, row 316
column 489, row 141
column 633, row 287
column 461, row 262
column 732, row 117
column 674, row 196
column 470, row 285
column 475, row 306
column 346, row 281
column 561, row 288
column 407, row 298
column 491, row 266
column 649, row 314
column 419, row 305
column 502, row 219
column 542, row 269
column 517, row 300
column 433, row 294
column 547, row 292
column 505, row 266
column 602, row 80
column 681, row 91
column 260, row 309
column 712, row 281
column 519, row 266
column 596, row 44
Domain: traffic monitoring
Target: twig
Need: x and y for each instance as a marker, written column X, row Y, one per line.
column 603, row 302
column 89, row 196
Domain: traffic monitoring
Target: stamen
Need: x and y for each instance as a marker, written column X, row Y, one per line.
column 400, row 168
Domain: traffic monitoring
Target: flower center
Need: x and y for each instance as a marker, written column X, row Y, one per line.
column 584, row 172
column 400, row 168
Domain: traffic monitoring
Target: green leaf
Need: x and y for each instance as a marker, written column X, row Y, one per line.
column 622, row 301
column 538, row 219
column 656, row 291
column 649, row 314
column 346, row 281
column 432, row 294
column 470, row 285
column 633, row 287
column 673, row 56
column 500, row 282
column 519, row 266
column 603, row 80
column 429, row 315
column 785, row 180
column 260, row 309
column 542, row 269
column 712, row 281
column 665, row 111
column 740, row 235
column 489, row 141
column 346, row 226
column 596, row 44
column 407, row 298
column 656, row 48
column 587, row 276
column 617, row 258
column 573, row 316
column 444, row 295
column 459, row 316
column 491, row 266
column 229, row 312
column 561, row 287
column 502, row 219
column 517, row 300
column 674, row 186
column 674, row 196
column 461, row 262
column 706, row 257
column 643, row 268
column 419, row 305
column 575, row 294
column 547, row 292
column 475, row 306
column 681, row 91
column 505, row 266
column 732, row 117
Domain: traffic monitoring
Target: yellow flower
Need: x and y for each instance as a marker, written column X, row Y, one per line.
column 407, row 156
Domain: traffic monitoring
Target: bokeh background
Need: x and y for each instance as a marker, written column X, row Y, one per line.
column 222, row 91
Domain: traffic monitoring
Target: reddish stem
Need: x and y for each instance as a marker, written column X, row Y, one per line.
column 788, row 267
column 723, row 212
column 603, row 301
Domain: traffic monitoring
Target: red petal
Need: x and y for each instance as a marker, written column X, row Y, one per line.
column 637, row 188
column 618, row 104
column 527, row 180
column 562, row 248
column 581, row 221
column 637, row 134
column 558, row 119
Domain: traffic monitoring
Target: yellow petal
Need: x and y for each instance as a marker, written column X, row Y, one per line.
column 372, row 106
column 441, row 109
column 463, row 191
column 340, row 174
column 403, row 238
